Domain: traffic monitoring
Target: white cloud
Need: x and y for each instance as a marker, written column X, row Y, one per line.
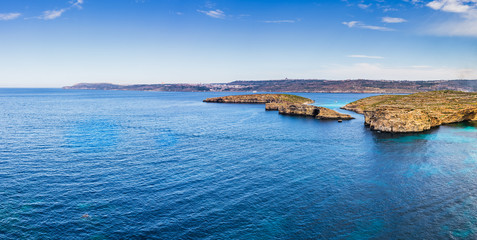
column 358, row 24
column 466, row 28
column 213, row 13
column 52, row 14
column 466, row 25
column 365, row 56
column 280, row 21
column 379, row 71
column 364, row 6
column 9, row 16
column 77, row 3
column 351, row 24
column 456, row 6
column 393, row 20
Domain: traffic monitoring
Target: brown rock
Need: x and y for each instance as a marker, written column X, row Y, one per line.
column 272, row 106
column 311, row 111
column 285, row 104
column 261, row 98
column 416, row 112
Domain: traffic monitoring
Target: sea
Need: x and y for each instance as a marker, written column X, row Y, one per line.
column 92, row 164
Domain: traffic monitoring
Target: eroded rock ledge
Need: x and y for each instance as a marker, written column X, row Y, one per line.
column 286, row 104
column 416, row 112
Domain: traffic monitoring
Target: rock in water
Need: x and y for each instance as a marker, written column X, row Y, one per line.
column 286, row 104
column 416, row 112
column 261, row 98
column 272, row 106
column 311, row 111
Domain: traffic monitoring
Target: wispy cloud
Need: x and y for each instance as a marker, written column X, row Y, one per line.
column 389, row 9
column 9, row 16
column 364, row 6
column 415, row 2
column 465, row 26
column 351, row 24
column 213, row 13
column 77, row 3
column 53, row 14
column 358, row 24
column 280, row 21
column 365, row 56
column 456, row 6
column 210, row 4
column 393, row 20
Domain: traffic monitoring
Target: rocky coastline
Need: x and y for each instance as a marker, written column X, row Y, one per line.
column 285, row 104
column 416, row 112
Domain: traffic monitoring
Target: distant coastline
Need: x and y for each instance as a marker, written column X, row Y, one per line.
column 297, row 85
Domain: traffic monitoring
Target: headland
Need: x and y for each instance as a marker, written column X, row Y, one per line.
column 416, row 112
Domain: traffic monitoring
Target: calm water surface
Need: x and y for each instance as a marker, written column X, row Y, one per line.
column 78, row 164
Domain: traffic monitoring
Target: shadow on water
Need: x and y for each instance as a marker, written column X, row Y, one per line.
column 468, row 124
column 404, row 137
column 455, row 133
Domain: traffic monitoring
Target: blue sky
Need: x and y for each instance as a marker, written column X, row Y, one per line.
column 54, row 43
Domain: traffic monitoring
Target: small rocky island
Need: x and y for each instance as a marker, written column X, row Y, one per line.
column 286, row 104
column 416, row 112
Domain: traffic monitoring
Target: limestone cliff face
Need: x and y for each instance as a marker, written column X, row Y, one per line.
column 387, row 120
column 312, row 111
column 285, row 104
column 416, row 112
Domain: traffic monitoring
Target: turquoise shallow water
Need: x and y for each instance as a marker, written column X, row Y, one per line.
column 80, row 164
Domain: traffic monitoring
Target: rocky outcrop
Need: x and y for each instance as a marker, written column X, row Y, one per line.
column 285, row 104
column 272, row 106
column 261, row 98
column 416, row 112
column 312, row 111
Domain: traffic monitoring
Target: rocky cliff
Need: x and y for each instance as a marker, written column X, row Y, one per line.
column 311, row 111
column 416, row 112
column 285, row 104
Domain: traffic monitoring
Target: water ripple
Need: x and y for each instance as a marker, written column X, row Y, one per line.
column 135, row 165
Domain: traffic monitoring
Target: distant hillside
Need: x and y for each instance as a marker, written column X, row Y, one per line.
column 362, row 86
column 144, row 87
column 331, row 86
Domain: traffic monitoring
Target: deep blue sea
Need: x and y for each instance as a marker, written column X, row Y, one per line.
column 80, row 164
